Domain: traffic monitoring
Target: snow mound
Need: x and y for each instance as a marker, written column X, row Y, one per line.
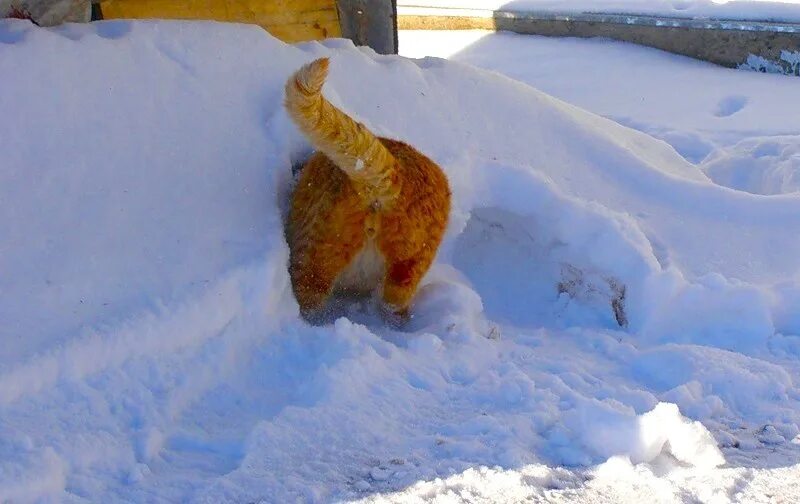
column 633, row 85
column 644, row 438
column 634, row 440
column 152, row 348
column 768, row 165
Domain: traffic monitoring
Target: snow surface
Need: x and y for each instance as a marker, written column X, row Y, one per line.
column 750, row 10
column 701, row 110
column 152, row 349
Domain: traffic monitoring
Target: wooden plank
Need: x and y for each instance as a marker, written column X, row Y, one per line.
column 305, row 31
column 289, row 20
column 226, row 8
column 270, row 12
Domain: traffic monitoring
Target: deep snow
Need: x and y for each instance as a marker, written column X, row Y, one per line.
column 152, row 347
column 694, row 106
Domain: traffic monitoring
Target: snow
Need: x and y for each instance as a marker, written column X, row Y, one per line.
column 604, row 321
column 705, row 109
column 734, row 128
column 749, row 10
column 758, row 165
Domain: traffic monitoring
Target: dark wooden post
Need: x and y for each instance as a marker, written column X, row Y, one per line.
column 370, row 22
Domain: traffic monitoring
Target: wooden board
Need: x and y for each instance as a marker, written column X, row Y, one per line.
column 289, row 20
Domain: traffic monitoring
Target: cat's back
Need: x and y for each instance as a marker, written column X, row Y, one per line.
column 421, row 177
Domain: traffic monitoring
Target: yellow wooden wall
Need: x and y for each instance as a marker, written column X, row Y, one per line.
column 288, row 20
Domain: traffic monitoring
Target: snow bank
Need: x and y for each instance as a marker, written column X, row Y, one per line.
column 117, row 206
column 695, row 107
column 152, row 347
column 627, row 84
column 768, row 165
column 643, row 438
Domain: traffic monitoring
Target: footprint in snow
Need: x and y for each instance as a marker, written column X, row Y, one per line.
column 113, row 30
column 730, row 105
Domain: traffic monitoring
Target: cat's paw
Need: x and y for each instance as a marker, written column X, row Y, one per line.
column 395, row 317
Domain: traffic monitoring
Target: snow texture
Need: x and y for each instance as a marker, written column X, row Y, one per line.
column 601, row 312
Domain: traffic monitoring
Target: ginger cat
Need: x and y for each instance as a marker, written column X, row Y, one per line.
column 367, row 213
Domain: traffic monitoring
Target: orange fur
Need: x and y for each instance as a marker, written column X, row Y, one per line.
column 367, row 213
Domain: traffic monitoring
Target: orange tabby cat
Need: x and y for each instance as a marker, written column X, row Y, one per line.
column 367, row 213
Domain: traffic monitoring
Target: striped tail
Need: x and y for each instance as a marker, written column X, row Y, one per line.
column 349, row 144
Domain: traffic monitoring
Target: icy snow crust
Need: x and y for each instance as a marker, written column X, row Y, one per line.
column 152, row 348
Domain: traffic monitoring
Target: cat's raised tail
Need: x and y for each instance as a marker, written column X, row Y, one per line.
column 348, row 143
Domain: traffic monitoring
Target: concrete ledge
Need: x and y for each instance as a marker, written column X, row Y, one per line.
column 762, row 46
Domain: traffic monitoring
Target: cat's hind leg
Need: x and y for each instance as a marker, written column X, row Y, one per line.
column 400, row 284
column 315, row 270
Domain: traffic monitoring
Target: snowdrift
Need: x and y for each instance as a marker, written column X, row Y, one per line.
column 758, row 165
column 152, row 347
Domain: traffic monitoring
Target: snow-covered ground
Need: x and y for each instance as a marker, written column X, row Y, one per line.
column 754, row 10
column 701, row 110
column 152, row 349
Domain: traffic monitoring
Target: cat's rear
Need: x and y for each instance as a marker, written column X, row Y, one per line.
column 367, row 213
